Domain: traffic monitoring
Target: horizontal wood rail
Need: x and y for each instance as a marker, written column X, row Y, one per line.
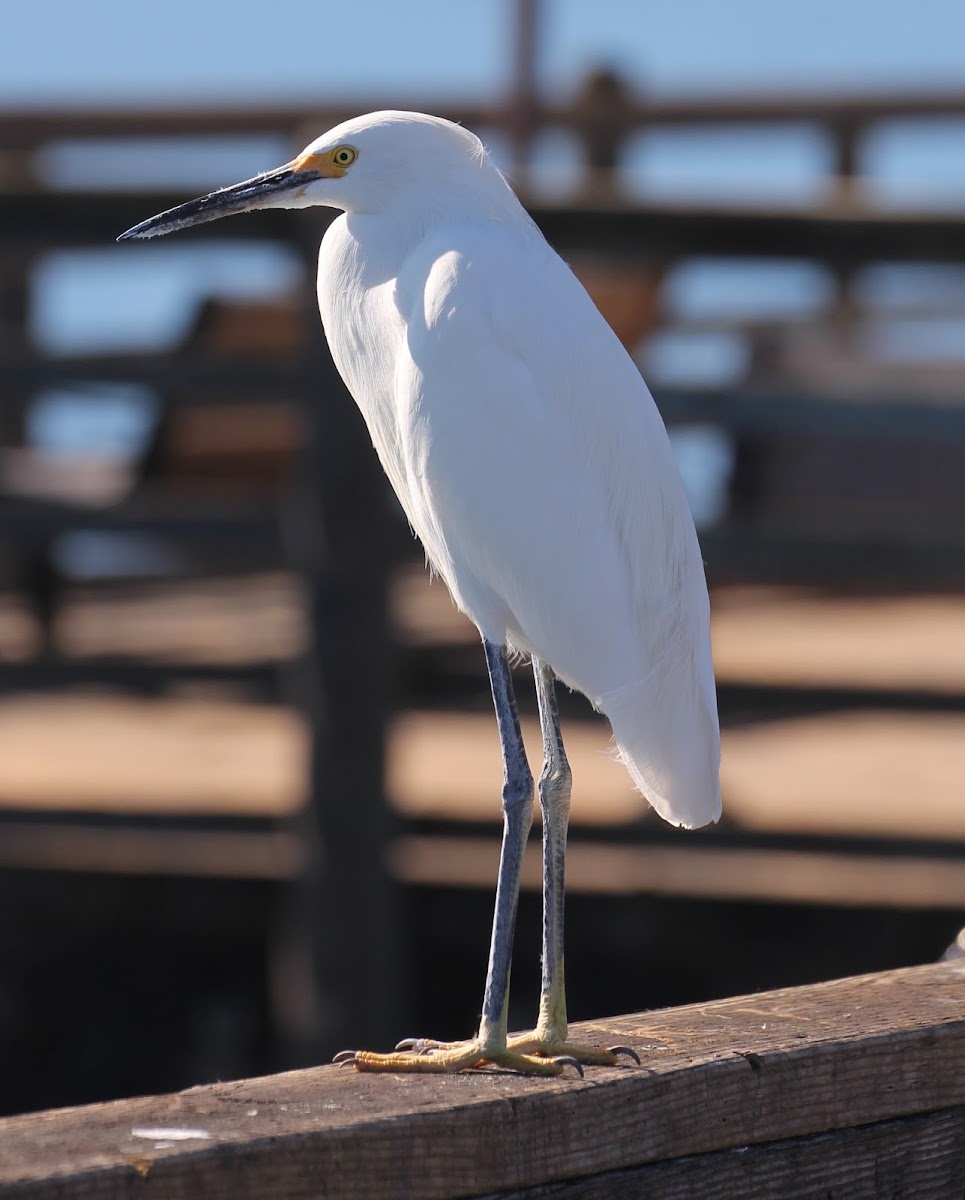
column 188, row 380
column 845, row 234
column 854, row 1087
column 27, row 128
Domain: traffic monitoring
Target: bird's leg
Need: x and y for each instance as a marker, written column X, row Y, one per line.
column 555, row 788
column 517, row 820
column 490, row 1044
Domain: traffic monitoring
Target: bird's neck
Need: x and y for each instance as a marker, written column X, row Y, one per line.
column 385, row 238
column 383, row 241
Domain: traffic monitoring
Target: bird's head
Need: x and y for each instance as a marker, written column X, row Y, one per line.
column 368, row 164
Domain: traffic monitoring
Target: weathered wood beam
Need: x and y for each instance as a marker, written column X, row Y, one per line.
column 27, row 128
column 767, row 876
column 733, row 865
column 831, row 555
column 139, row 675
column 186, row 379
column 189, row 380
column 229, row 522
column 788, row 412
column 336, row 534
column 849, row 1082
column 845, row 234
column 273, row 855
column 784, row 555
column 918, row 1157
column 446, row 674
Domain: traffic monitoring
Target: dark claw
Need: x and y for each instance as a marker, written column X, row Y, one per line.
column 416, row 1045
column 564, row 1060
column 627, row 1050
column 344, row 1057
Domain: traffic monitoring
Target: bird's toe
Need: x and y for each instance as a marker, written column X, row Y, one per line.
column 420, row 1045
column 629, row 1051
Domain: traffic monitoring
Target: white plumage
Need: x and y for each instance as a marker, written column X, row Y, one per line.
column 525, row 447
column 528, row 456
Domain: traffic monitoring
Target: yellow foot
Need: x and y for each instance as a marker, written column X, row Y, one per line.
column 424, row 1055
column 541, row 1046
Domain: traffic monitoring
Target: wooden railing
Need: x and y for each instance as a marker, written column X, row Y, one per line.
column 346, row 582
column 853, row 1088
column 602, row 115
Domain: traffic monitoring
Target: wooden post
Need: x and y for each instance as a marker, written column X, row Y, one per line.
column 602, row 116
column 846, row 189
column 523, row 113
column 853, row 1088
column 16, row 171
column 845, row 138
column 335, row 982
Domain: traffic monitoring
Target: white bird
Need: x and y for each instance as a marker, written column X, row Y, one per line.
column 530, row 459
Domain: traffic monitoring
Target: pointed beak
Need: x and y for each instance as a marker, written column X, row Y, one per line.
column 263, row 191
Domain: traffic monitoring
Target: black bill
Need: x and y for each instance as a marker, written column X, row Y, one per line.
column 258, row 192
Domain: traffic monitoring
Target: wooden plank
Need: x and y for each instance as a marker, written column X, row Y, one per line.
column 33, row 127
column 29, row 127
column 841, row 776
column 230, row 520
column 259, row 680
column 859, row 774
column 768, row 874
column 850, row 774
column 186, row 379
column 900, row 644
column 826, row 554
column 788, row 412
column 777, row 651
column 801, row 646
column 743, row 869
column 337, row 532
column 189, row 380
column 919, row 1157
column 275, row 855
column 731, row 1074
column 120, row 754
column 839, row 234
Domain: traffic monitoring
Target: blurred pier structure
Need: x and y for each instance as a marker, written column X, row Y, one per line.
column 201, row 874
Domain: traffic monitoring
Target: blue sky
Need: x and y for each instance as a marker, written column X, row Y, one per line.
column 119, row 51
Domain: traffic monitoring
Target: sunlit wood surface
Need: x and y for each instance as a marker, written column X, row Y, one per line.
column 891, row 773
column 849, row 1088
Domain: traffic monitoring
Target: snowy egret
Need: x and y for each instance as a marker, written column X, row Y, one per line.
column 531, row 461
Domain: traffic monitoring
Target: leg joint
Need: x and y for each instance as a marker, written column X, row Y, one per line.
column 556, row 774
column 555, row 783
column 518, row 791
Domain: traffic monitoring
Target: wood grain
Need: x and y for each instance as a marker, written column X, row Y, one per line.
column 917, row 1158
column 791, row 1064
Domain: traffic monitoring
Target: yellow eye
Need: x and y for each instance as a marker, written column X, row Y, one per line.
column 344, row 156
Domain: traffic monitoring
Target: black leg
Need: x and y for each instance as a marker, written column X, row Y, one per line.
column 517, row 819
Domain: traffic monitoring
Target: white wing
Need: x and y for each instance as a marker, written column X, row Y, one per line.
column 540, row 479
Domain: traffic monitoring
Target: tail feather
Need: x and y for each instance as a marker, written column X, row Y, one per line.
column 667, row 737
